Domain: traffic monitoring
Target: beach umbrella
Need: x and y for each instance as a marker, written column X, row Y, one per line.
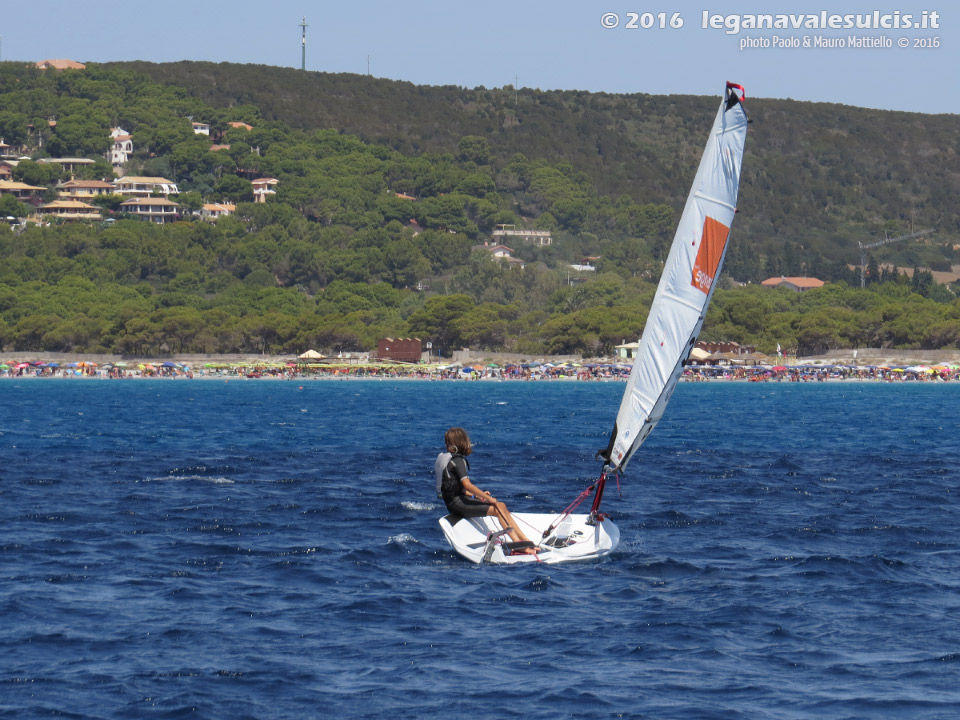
column 121, row 364
column 20, row 366
column 169, row 364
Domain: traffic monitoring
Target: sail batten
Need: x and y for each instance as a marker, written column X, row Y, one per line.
column 687, row 283
column 683, row 301
column 716, row 201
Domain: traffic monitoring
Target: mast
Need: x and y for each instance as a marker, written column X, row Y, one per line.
column 686, row 285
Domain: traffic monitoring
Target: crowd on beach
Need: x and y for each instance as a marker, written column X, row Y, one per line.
column 533, row 371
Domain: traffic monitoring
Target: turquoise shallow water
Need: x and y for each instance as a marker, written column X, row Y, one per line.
column 269, row 549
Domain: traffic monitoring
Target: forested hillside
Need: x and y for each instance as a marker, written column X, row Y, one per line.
column 817, row 177
column 385, row 190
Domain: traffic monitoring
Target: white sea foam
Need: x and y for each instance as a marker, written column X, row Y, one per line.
column 402, row 539
column 193, row 478
column 413, row 505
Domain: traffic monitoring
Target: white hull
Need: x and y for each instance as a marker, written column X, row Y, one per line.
column 576, row 542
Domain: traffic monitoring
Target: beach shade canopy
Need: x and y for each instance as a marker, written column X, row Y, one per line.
column 169, row 364
column 310, row 355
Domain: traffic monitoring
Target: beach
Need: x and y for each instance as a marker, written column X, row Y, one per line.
column 491, row 372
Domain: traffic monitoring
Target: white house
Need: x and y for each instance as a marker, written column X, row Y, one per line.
column 122, row 146
column 211, row 211
column 500, row 253
column 263, row 187
column 145, row 186
column 156, row 210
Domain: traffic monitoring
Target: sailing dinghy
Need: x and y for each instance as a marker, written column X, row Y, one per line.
column 675, row 319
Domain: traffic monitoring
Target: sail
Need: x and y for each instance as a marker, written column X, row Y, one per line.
column 686, row 286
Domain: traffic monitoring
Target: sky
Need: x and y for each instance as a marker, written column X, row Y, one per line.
column 665, row 48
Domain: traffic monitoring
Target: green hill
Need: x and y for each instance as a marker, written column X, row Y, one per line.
column 817, row 177
column 385, row 189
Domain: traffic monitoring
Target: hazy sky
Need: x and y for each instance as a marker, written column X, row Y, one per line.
column 556, row 44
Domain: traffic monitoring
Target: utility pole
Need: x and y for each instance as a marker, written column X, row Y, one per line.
column 878, row 243
column 303, row 44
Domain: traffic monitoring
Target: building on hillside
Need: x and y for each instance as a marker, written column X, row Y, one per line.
column 627, row 350
column 400, row 349
column 240, row 125
column 60, row 64
column 153, row 209
column 581, row 272
column 70, row 210
column 211, row 211
column 145, row 186
column 534, row 237
column 263, row 187
column 797, row 284
column 83, row 189
column 500, row 253
column 201, row 128
column 121, row 148
column 21, row 191
column 726, row 346
column 69, row 164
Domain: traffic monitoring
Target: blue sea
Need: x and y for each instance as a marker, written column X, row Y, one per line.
column 270, row 549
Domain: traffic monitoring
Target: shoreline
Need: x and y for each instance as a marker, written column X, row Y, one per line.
column 334, row 377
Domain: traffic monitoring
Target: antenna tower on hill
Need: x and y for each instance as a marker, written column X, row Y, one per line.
column 303, row 44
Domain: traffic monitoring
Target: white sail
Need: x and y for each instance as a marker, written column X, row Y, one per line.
column 687, row 283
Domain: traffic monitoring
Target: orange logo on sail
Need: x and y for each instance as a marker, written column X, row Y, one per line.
column 712, row 242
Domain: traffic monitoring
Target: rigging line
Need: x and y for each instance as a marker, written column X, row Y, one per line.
column 570, row 508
